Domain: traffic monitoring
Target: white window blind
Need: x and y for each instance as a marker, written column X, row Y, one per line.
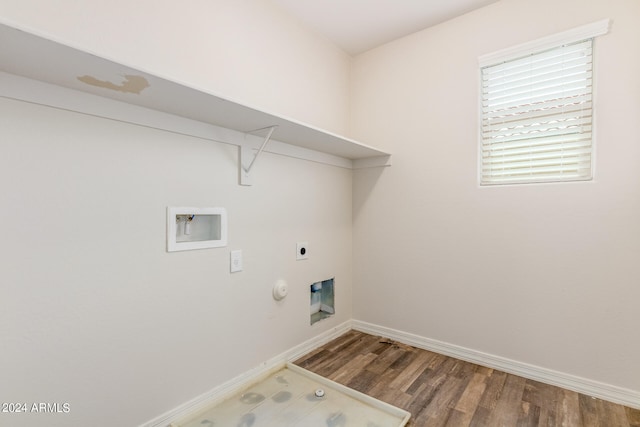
column 537, row 117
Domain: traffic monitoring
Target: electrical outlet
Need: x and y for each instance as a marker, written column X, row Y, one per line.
column 236, row 261
column 302, row 250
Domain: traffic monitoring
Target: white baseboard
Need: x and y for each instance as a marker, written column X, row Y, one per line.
column 586, row 386
column 247, row 378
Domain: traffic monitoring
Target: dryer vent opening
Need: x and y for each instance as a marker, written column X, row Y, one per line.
column 322, row 300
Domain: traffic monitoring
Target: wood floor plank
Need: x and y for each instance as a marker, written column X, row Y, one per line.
column 481, row 417
column 400, row 398
column 568, row 409
column 458, row 419
column 470, row 399
column 588, row 410
column 613, row 414
column 363, row 381
column 382, row 384
column 343, row 342
column 351, row 368
column 385, row 359
column 408, row 355
column 443, row 400
column 412, row 370
column 311, row 360
column 543, row 399
column 355, row 344
column 495, row 383
column 507, row 409
column 540, row 394
column 529, row 415
column 633, row 417
column 443, row 391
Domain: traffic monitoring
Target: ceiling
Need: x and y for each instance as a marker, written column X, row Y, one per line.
column 359, row 25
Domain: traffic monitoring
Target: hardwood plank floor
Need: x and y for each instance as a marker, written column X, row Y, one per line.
column 443, row 391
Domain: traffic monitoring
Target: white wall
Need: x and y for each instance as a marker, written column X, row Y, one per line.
column 245, row 50
column 542, row 274
column 96, row 313
column 93, row 311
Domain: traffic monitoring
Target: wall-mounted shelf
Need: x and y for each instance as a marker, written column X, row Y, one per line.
column 65, row 77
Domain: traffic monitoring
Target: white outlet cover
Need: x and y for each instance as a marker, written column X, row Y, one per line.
column 236, row 261
column 302, row 250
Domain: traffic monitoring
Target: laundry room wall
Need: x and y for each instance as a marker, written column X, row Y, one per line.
column 95, row 313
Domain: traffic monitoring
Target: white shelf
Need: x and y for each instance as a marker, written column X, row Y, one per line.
column 51, row 66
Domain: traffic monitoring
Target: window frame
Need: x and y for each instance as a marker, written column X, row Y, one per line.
column 585, row 32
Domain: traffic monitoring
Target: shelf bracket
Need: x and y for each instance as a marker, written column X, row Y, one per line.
column 248, row 160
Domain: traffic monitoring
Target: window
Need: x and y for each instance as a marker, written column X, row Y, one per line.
column 537, row 113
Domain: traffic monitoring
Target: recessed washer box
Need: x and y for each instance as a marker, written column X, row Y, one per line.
column 196, row 228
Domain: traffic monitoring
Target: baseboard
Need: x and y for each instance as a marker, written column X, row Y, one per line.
column 249, row 377
column 611, row 393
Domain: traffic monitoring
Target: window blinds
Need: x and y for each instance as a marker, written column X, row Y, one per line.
column 537, row 117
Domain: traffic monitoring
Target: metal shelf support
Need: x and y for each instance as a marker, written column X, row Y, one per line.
column 248, row 159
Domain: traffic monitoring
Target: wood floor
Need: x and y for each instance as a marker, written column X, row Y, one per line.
column 443, row 391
